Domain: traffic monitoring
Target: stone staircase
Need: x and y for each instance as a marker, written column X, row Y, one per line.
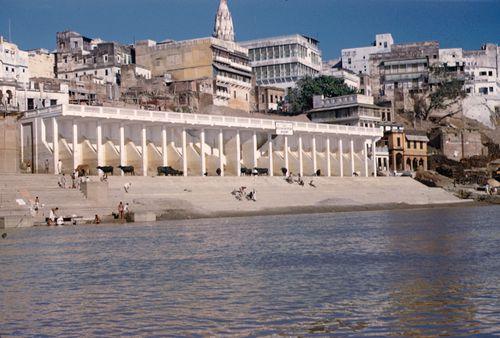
column 27, row 187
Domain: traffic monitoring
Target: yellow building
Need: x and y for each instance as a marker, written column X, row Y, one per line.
column 407, row 149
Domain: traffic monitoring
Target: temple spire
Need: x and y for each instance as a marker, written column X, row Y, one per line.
column 224, row 23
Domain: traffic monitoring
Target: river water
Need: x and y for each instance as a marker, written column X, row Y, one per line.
column 418, row 272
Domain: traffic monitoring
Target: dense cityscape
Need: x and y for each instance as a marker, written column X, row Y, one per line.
column 220, row 187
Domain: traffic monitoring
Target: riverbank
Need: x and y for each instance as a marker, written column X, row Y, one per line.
column 179, row 214
column 209, row 197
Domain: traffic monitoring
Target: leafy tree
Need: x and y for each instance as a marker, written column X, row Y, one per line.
column 300, row 98
column 448, row 91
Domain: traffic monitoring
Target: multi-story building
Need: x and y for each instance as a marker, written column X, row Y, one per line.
column 352, row 110
column 17, row 91
column 269, row 99
column 219, row 58
column 78, row 56
column 350, row 79
column 407, row 148
column 357, row 59
column 13, row 63
column 404, row 69
column 458, row 144
column 282, row 61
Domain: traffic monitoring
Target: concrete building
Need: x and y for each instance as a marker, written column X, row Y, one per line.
column 41, row 63
column 269, row 99
column 357, row 59
column 405, row 68
column 13, row 63
column 196, row 144
column 350, row 78
column 283, row 60
column 351, row 110
column 458, row 144
column 218, row 58
column 78, row 56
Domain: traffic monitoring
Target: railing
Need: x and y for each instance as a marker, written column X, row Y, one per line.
column 198, row 119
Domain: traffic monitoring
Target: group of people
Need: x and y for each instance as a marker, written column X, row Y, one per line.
column 123, row 210
column 54, row 218
column 291, row 180
column 241, row 193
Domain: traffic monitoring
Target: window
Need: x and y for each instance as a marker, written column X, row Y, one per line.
column 491, row 89
column 31, row 104
column 490, row 73
column 53, row 102
column 246, row 97
column 421, row 145
column 271, row 99
column 66, row 76
column 105, row 58
column 263, row 98
column 482, row 73
column 349, row 60
column 75, row 44
column 408, row 144
column 106, row 72
column 385, row 44
column 415, row 144
column 399, row 142
column 235, row 94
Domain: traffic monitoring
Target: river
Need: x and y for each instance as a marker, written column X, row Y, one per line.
column 415, row 272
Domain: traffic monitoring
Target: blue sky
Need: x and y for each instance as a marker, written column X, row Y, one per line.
column 336, row 23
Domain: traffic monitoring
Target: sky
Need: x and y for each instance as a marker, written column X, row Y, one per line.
column 336, row 24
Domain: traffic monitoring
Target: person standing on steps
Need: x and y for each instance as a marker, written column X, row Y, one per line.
column 121, row 210
column 59, row 167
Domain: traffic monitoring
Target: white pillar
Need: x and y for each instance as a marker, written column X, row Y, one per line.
column 184, row 152
column 353, row 168
column 164, row 149
column 202, row 153
column 367, row 173
column 374, row 158
column 315, row 160
column 221, row 152
column 55, row 145
column 341, row 158
column 287, row 163
column 122, row 146
column 301, row 159
column 238, row 153
column 144, row 152
column 76, row 152
column 270, row 143
column 254, row 148
column 100, row 159
column 21, row 133
column 328, row 160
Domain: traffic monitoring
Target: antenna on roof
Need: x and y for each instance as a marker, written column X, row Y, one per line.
column 10, row 37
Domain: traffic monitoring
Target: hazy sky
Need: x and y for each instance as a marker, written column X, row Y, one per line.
column 336, row 23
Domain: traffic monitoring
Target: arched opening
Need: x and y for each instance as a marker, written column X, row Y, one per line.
column 415, row 164
column 408, row 164
column 9, row 96
column 399, row 162
column 421, row 163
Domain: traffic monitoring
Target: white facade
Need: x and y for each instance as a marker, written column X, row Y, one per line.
column 282, row 61
column 481, row 80
column 193, row 143
column 357, row 59
column 13, row 63
column 41, row 63
column 32, row 96
column 350, row 79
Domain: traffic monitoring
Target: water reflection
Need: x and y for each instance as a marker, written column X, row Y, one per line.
column 423, row 273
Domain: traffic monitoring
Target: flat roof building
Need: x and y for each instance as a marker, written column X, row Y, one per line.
column 282, row 61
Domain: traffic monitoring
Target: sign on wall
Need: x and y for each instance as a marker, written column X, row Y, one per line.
column 284, row 128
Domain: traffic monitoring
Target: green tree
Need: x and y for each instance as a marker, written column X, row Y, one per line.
column 300, row 98
column 448, row 90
